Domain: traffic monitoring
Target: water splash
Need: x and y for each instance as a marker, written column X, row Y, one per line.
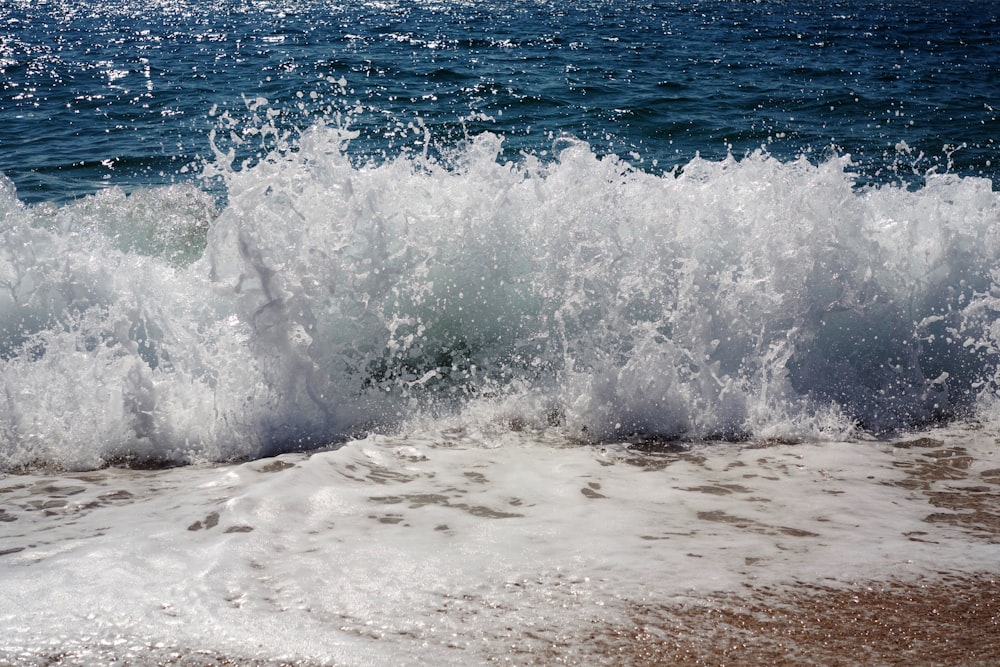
column 733, row 298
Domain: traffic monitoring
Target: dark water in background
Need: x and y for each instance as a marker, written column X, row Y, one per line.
column 123, row 91
column 356, row 217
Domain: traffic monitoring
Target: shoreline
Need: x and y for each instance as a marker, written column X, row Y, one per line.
column 951, row 621
column 527, row 554
column 954, row 620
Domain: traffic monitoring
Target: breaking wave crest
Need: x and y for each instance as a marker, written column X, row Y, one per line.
column 737, row 298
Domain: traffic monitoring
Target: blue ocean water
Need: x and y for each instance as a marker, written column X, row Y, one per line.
column 122, row 91
column 233, row 228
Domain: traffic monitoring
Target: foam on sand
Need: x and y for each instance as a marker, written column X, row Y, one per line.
column 408, row 551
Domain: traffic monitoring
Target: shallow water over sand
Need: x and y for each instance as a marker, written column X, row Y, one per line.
column 462, row 549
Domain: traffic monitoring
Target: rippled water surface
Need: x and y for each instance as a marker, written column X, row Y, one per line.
column 124, row 91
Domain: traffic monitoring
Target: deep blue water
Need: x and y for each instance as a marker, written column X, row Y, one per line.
column 126, row 91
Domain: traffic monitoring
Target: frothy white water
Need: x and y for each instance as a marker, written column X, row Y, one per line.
column 741, row 297
column 411, row 551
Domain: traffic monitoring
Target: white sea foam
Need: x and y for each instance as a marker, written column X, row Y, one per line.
column 418, row 550
column 742, row 297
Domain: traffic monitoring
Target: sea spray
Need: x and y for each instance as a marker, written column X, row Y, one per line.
column 328, row 298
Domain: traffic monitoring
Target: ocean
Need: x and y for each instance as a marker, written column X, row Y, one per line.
column 445, row 332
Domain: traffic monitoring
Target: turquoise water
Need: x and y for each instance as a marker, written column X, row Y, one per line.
column 231, row 229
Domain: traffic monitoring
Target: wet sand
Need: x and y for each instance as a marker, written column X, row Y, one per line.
column 948, row 617
column 951, row 621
